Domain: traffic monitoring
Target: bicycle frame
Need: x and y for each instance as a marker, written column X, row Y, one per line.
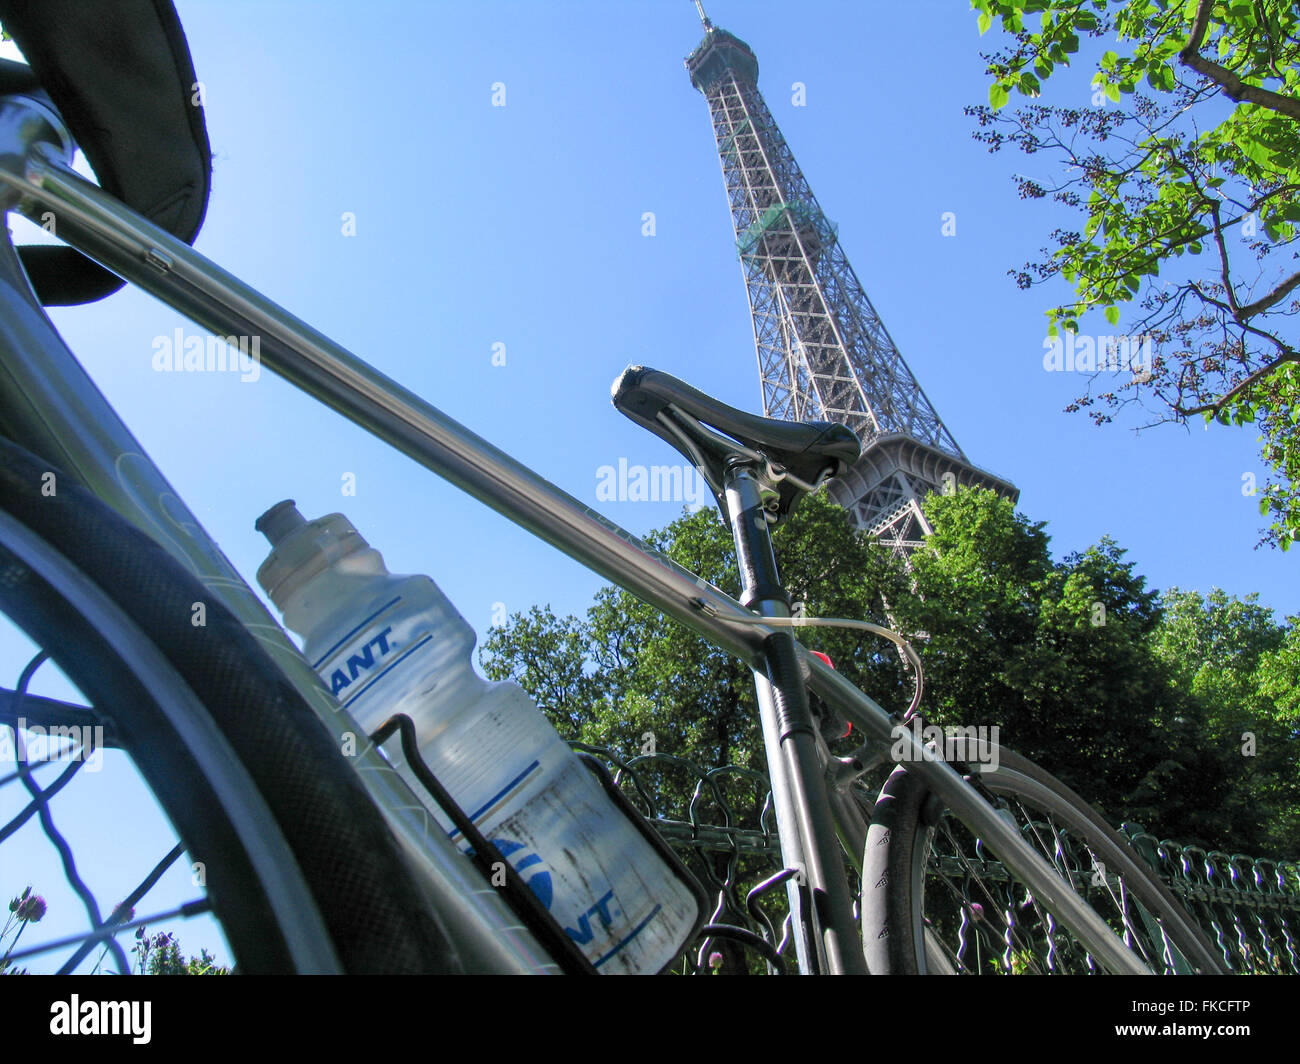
column 52, row 407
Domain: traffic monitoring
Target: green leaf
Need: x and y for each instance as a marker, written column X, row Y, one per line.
column 1242, row 11
column 985, row 21
column 1255, row 152
column 1112, row 314
column 998, row 96
column 1161, row 76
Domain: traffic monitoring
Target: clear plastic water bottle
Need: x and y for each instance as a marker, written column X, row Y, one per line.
column 386, row 644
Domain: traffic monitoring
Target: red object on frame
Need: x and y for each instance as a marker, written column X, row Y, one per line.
column 848, row 726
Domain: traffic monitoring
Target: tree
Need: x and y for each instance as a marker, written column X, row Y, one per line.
column 1060, row 656
column 633, row 680
column 1057, row 656
column 1241, row 666
column 1186, row 163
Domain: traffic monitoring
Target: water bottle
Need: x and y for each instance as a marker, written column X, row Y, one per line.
column 386, row 644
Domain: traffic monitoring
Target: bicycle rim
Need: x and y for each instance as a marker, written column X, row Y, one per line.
column 296, row 860
column 127, row 696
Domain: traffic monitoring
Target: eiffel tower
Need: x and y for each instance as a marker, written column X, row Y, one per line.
column 823, row 352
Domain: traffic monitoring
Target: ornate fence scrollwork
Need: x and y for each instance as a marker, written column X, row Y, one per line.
column 722, row 822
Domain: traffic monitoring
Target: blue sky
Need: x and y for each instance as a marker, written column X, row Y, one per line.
column 478, row 225
column 522, row 225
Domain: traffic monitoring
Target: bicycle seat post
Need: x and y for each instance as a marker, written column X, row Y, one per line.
column 825, row 931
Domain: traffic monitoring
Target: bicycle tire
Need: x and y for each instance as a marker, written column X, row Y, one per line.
column 929, row 894
column 301, row 871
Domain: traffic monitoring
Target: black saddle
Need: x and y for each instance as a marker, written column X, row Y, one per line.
column 708, row 433
column 121, row 76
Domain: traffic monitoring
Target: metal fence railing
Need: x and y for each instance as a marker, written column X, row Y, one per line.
column 722, row 823
column 1249, row 906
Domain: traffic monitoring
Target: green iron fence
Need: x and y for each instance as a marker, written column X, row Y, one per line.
column 1249, row 906
column 722, row 823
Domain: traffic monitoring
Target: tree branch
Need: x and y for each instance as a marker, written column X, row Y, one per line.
column 1276, row 296
column 1233, row 87
column 1232, row 393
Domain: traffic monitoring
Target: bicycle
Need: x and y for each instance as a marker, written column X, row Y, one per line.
column 317, row 862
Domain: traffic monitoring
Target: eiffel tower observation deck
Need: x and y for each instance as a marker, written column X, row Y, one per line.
column 823, row 352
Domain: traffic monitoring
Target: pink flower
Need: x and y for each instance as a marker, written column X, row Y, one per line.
column 30, row 907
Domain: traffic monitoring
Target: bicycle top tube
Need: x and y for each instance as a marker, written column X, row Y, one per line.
column 49, row 405
column 101, row 227
column 98, row 225
column 36, row 178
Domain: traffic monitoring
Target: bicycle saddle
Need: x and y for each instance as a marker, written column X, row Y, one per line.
column 808, row 452
column 121, row 76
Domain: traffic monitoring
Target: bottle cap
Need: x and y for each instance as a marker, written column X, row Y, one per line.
column 300, row 548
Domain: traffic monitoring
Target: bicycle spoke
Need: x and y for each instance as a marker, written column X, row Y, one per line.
column 46, row 817
column 24, row 713
column 186, row 910
column 125, row 909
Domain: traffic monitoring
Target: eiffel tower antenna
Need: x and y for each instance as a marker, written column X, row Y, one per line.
column 823, row 352
column 703, row 17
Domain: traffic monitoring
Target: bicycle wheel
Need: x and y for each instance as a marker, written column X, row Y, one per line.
column 285, row 848
column 936, row 901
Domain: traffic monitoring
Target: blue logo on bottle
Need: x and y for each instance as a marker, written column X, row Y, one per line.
column 585, row 932
column 533, row 872
column 530, row 869
column 362, row 661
